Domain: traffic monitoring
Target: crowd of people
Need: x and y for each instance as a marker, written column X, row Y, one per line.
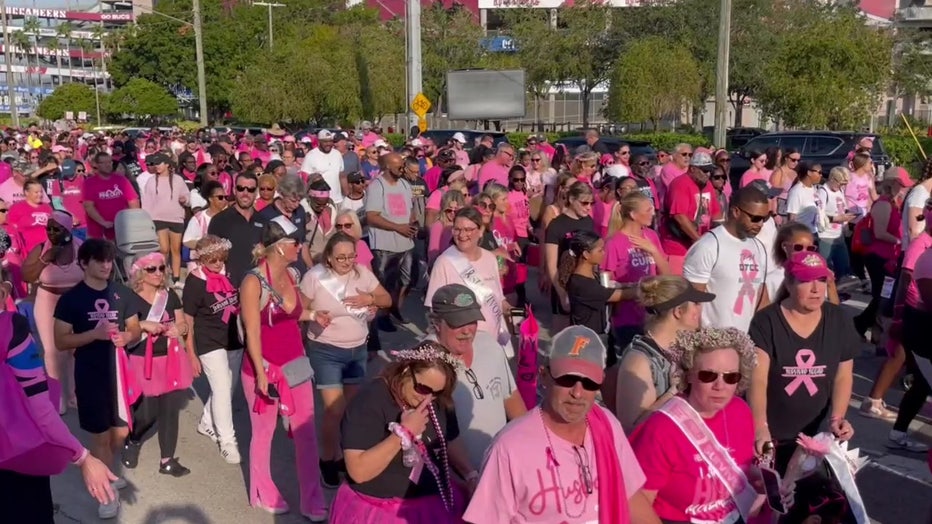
column 696, row 323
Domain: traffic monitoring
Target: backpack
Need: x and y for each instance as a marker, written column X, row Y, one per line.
column 659, row 364
column 25, row 447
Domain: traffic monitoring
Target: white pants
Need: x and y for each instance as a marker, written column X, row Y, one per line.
column 221, row 367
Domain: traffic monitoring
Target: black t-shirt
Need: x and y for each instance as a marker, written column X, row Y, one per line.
column 83, row 307
column 365, row 424
column 562, row 228
column 243, row 235
column 160, row 344
column 802, row 370
column 587, row 302
column 214, row 320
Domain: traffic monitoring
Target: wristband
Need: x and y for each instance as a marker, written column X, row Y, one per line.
column 82, row 458
column 407, row 439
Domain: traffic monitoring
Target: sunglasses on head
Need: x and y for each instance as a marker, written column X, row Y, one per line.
column 800, row 247
column 707, row 377
column 570, row 381
column 154, row 269
column 246, row 189
column 422, row 389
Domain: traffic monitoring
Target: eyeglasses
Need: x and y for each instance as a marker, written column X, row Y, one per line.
column 570, row 381
column 756, row 219
column 582, row 460
column 465, row 230
column 154, row 269
column 719, row 177
column 707, row 377
column 474, row 382
column 246, row 189
column 422, row 389
column 800, row 247
column 347, row 225
column 266, row 189
column 345, row 258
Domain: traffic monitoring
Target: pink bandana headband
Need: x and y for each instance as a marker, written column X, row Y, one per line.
column 319, row 194
column 146, row 260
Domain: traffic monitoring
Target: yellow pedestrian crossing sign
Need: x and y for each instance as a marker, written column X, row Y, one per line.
column 420, row 105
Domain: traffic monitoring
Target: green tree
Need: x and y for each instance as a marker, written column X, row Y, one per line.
column 22, row 47
column 378, row 54
column 912, row 63
column 652, row 80
column 63, row 32
column 531, row 31
column 142, row 98
column 74, row 97
column 31, row 27
column 450, row 40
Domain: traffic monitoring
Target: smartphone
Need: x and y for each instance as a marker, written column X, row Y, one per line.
column 517, row 314
column 273, row 391
column 771, row 480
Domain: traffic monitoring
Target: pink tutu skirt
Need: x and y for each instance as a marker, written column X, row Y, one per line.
column 352, row 507
column 159, row 383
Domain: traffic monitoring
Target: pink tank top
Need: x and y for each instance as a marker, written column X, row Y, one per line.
column 66, row 276
column 279, row 331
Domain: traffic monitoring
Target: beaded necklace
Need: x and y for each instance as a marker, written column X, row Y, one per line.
column 552, row 457
column 445, row 494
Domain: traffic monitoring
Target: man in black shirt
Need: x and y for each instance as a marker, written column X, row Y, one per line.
column 241, row 225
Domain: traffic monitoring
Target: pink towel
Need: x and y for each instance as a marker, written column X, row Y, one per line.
column 613, row 498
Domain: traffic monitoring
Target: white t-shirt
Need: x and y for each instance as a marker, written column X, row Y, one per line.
column 329, row 165
column 915, row 203
column 734, row 270
column 801, row 202
column 834, row 202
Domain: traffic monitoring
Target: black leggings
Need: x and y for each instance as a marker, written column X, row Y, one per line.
column 164, row 409
column 914, row 338
column 876, row 269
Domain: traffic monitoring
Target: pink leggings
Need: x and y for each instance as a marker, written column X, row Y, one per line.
column 59, row 365
column 262, row 490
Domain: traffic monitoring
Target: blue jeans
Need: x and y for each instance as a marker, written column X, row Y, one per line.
column 835, row 252
column 335, row 366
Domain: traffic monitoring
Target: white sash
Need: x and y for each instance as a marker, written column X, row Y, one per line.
column 156, row 310
column 717, row 458
column 331, row 283
column 473, row 280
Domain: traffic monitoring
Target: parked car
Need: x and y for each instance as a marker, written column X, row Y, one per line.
column 735, row 137
column 828, row 148
column 638, row 147
column 441, row 136
column 134, row 132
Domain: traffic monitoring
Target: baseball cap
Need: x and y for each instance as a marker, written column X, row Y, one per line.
column 156, row 159
column 22, row 166
column 456, row 305
column 339, row 136
column 703, row 161
column 900, row 175
column 355, row 178
column 459, row 137
column 366, row 124
column 67, row 169
column 765, row 188
column 577, row 350
column 806, row 266
column 324, row 134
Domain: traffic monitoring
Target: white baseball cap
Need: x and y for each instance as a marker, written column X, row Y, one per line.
column 324, row 134
column 417, row 142
column 459, row 137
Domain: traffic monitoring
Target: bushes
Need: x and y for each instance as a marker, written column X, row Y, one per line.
column 903, row 151
column 668, row 141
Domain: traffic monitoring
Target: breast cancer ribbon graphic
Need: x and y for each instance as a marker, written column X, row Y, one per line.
column 102, row 307
column 228, row 310
column 748, row 269
column 805, row 362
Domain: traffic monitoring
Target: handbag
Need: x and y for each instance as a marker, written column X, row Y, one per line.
column 298, row 371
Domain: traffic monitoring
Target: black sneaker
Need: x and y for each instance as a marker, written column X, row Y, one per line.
column 329, row 474
column 131, row 454
column 173, row 468
column 385, row 324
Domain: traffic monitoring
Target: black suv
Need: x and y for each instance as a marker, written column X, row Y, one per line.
column 441, row 136
column 828, row 148
column 613, row 143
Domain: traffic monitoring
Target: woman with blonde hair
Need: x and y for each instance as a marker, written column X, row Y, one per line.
column 441, row 231
column 585, row 166
column 503, row 229
column 347, row 222
column 276, row 376
column 645, row 377
column 158, row 363
column 268, row 183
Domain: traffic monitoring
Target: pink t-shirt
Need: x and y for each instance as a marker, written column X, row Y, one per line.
column 629, row 264
column 916, row 248
column 523, row 482
column 110, row 196
column 161, row 198
column 345, row 330
column 668, row 173
column 363, row 255
column 519, row 212
column 69, row 191
column 493, row 171
column 432, row 177
column 686, row 490
column 444, row 273
column 438, row 240
column 433, row 201
column 750, row 176
column 923, row 269
column 699, row 205
column 29, row 223
column 6, row 172
column 602, row 215
column 11, row 192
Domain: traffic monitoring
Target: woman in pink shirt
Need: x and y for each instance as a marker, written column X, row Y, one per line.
column 451, row 180
column 441, row 231
column 757, row 170
column 503, row 229
column 519, row 210
column 164, row 198
column 30, row 216
column 350, row 294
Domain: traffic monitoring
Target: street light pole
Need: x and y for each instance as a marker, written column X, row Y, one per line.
column 414, row 52
column 199, row 56
column 14, row 113
column 270, row 5
column 721, row 74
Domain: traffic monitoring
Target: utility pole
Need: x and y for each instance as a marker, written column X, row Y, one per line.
column 14, row 112
column 270, row 5
column 414, row 54
column 199, row 56
column 721, row 75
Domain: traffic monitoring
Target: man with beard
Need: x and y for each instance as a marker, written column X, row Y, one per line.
column 329, row 163
column 320, row 221
column 640, row 172
column 732, row 263
column 567, row 460
column 486, row 396
column 241, row 225
column 689, row 209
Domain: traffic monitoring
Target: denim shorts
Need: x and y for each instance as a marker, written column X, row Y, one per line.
column 335, row 366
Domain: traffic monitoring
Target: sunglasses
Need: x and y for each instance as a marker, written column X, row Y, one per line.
column 719, row 177
column 708, row 377
column 570, row 381
column 518, row 179
column 154, row 269
column 816, row 171
column 644, row 163
column 535, row 160
column 793, row 159
column 450, row 211
column 800, row 247
column 685, row 155
column 624, row 153
column 487, row 205
column 347, row 225
column 266, row 189
column 756, row 219
column 246, row 189
column 586, row 203
column 422, row 389
column 219, row 196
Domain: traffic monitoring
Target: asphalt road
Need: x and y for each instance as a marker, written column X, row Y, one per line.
column 896, row 486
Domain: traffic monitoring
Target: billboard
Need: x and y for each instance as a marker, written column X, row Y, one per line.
column 486, row 95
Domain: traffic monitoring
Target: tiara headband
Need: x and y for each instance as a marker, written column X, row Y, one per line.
column 219, row 246
column 428, row 351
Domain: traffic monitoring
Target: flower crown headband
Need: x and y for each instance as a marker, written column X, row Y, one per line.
column 221, row 245
column 711, row 338
column 429, row 351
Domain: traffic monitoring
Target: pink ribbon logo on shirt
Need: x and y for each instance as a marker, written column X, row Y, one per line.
column 748, row 268
column 803, row 373
column 229, row 309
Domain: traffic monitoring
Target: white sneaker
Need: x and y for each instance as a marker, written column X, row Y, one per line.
column 900, row 440
column 208, row 432
column 230, row 452
column 119, row 483
column 109, row 511
column 876, row 408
